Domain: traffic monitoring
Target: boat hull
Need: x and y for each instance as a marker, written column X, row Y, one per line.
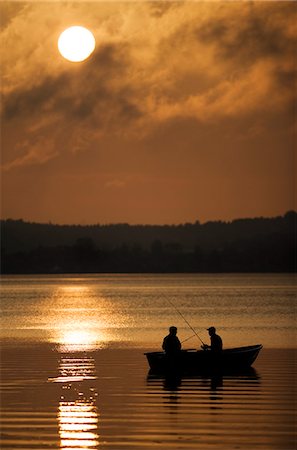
column 188, row 361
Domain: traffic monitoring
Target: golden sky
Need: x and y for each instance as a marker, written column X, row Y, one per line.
column 184, row 112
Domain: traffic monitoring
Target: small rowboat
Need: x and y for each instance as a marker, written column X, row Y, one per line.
column 203, row 360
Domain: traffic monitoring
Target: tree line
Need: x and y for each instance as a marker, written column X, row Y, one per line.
column 243, row 245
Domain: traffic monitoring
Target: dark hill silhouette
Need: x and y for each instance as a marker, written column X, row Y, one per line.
column 243, row 245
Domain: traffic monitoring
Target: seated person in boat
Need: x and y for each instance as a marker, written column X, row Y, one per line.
column 216, row 343
column 171, row 344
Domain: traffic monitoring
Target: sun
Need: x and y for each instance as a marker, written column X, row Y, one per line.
column 76, row 43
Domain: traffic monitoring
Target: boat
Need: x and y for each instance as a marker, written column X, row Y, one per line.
column 201, row 361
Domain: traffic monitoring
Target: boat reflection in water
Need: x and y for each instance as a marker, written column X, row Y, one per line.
column 78, row 416
column 218, row 388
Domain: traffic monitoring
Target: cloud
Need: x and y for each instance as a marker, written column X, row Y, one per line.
column 92, row 88
column 9, row 11
column 32, row 154
column 115, row 184
column 154, row 63
column 247, row 34
column 35, row 100
column 229, row 98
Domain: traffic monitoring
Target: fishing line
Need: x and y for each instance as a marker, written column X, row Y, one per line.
column 187, row 339
column 185, row 320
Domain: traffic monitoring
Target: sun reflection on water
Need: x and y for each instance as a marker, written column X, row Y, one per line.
column 73, row 289
column 78, row 425
column 79, row 339
column 83, row 321
column 78, row 416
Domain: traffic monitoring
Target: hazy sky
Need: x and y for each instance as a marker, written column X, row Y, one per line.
column 184, row 112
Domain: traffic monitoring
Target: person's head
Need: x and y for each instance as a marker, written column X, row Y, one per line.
column 211, row 331
column 173, row 330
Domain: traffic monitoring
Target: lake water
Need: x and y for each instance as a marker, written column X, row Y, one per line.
column 74, row 375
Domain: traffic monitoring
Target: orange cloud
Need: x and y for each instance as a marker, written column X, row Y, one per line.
column 169, row 85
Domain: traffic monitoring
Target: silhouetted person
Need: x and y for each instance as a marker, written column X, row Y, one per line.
column 171, row 344
column 216, row 343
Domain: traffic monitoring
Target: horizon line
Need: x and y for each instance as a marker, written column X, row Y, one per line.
column 195, row 222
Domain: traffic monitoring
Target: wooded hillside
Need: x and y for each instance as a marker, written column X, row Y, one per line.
column 243, row 245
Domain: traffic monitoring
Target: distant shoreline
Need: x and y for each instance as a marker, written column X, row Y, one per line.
column 3, row 274
column 260, row 245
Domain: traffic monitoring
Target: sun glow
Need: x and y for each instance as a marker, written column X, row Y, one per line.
column 78, row 338
column 76, row 43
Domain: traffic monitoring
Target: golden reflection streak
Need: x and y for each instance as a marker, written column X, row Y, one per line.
column 76, row 420
column 79, row 326
column 78, row 339
column 72, row 289
column 82, row 316
column 77, row 413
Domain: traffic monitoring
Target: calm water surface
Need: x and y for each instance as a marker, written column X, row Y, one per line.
column 137, row 310
column 74, row 375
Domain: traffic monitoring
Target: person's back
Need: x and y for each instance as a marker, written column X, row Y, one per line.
column 216, row 343
column 171, row 344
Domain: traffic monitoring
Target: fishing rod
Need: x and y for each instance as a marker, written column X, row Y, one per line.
column 187, row 339
column 185, row 320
